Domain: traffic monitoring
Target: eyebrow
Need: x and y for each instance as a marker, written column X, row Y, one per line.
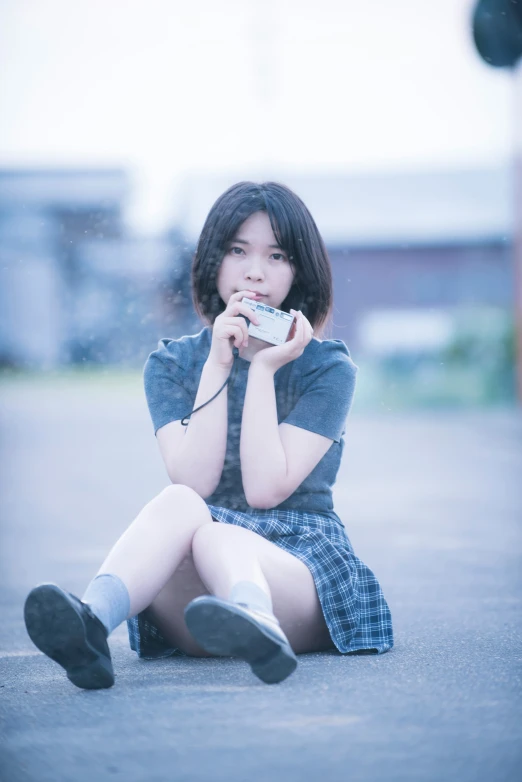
column 243, row 241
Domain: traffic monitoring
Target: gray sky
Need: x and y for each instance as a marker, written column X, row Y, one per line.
column 166, row 87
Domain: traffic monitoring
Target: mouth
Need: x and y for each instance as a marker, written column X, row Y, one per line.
column 258, row 296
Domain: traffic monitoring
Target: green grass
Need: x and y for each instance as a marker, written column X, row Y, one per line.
column 101, row 377
column 379, row 388
column 430, row 386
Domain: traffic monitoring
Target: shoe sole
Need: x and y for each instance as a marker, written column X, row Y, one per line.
column 225, row 630
column 59, row 632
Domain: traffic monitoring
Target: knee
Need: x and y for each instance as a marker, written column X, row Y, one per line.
column 178, row 492
column 182, row 499
column 207, row 537
column 216, row 537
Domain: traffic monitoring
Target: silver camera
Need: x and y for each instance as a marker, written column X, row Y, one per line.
column 274, row 325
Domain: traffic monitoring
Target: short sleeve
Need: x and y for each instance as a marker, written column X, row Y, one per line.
column 328, row 387
column 167, row 398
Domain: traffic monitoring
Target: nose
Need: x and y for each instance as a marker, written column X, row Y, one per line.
column 254, row 270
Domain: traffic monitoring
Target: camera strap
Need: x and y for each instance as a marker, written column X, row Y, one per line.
column 230, row 379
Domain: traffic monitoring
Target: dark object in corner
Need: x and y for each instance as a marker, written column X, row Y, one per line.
column 497, row 31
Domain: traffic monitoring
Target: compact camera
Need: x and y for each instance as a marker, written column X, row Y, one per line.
column 274, row 325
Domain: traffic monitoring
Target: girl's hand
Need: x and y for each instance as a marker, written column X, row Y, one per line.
column 231, row 330
column 277, row 356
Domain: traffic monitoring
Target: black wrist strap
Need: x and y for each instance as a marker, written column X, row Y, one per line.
column 230, row 379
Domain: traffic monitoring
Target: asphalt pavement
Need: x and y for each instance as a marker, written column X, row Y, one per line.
column 432, row 502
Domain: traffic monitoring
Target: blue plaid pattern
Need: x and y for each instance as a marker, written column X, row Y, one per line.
column 354, row 607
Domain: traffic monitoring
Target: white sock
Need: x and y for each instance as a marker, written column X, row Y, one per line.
column 252, row 595
column 108, row 599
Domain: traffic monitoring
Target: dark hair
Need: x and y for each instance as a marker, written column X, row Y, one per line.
column 295, row 232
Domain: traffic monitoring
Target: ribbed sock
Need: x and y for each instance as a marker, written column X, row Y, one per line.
column 251, row 594
column 109, row 599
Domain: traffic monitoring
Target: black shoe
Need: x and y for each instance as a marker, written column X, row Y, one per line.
column 67, row 631
column 236, row 630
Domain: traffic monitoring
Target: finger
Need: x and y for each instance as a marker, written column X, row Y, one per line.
column 305, row 323
column 245, row 309
column 237, row 308
column 293, row 330
column 240, row 295
column 298, row 323
column 305, row 320
column 228, row 327
column 301, row 327
column 241, row 324
column 306, row 330
column 236, row 333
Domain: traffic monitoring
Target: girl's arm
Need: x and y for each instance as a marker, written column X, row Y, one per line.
column 195, row 454
column 275, row 459
column 263, row 459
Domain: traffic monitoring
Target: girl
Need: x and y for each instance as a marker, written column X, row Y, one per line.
column 243, row 554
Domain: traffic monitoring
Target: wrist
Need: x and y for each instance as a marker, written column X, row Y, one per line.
column 261, row 368
column 220, row 370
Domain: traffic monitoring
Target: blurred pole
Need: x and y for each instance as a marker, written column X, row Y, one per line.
column 497, row 33
column 517, row 85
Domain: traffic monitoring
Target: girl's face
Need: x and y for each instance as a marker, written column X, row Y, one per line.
column 254, row 262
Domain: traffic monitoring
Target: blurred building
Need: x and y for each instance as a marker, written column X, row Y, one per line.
column 75, row 287
column 409, row 251
column 131, row 292
column 399, row 243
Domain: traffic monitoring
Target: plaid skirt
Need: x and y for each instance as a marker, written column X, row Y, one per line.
column 356, row 613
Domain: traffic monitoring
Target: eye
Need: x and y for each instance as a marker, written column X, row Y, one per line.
column 276, row 256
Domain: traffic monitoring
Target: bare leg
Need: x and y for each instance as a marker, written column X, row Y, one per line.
column 168, row 607
column 71, row 632
column 229, row 554
column 225, row 554
column 174, row 552
column 171, row 553
column 157, row 541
